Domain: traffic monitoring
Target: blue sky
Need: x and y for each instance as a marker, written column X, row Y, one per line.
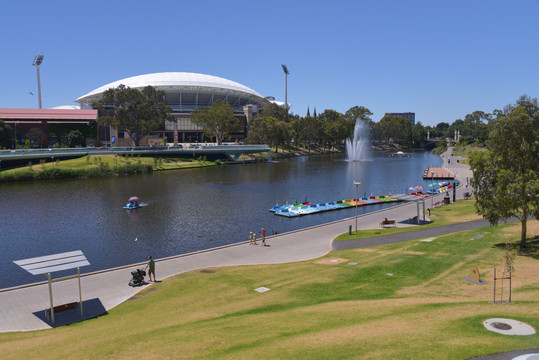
column 441, row 60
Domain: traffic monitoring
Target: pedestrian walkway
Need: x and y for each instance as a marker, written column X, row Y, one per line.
column 23, row 308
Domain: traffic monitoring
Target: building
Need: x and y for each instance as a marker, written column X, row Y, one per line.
column 42, row 126
column 184, row 92
column 407, row 115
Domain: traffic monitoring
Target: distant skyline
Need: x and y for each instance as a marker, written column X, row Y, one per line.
column 438, row 60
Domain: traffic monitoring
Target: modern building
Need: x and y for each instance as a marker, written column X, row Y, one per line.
column 407, row 115
column 184, row 92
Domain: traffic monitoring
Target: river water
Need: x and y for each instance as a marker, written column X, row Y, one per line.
column 188, row 210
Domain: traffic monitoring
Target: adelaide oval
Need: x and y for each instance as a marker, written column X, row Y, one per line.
column 184, row 92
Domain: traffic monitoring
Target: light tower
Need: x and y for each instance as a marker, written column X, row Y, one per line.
column 37, row 61
column 285, row 69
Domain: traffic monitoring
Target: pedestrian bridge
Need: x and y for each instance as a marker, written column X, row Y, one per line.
column 17, row 157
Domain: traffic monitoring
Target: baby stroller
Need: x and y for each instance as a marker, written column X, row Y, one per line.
column 138, row 277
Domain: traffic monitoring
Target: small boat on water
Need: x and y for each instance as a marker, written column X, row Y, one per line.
column 133, row 203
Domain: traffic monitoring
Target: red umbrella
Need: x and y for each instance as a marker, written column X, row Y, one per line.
column 133, row 198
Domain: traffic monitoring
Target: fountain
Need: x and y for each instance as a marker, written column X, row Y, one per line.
column 359, row 148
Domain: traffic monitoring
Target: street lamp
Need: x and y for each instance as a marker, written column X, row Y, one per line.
column 37, row 61
column 357, row 183
column 286, row 73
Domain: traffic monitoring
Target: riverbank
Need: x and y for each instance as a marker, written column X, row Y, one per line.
column 362, row 303
column 94, row 166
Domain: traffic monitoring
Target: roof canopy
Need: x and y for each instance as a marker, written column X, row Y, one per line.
column 172, row 80
column 53, row 263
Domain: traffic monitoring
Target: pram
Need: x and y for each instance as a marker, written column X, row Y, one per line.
column 138, row 277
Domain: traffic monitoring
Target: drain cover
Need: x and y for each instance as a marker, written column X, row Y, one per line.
column 501, row 326
column 508, row 327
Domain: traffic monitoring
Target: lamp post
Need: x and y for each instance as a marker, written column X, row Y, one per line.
column 286, row 73
column 37, row 61
column 357, row 183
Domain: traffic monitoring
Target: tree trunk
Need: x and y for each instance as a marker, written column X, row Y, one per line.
column 523, row 222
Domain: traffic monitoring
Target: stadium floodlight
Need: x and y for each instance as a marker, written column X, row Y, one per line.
column 286, row 73
column 37, row 61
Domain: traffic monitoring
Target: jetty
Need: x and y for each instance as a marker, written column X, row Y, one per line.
column 437, row 173
column 307, row 208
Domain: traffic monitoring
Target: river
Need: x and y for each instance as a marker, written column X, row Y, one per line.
column 188, row 210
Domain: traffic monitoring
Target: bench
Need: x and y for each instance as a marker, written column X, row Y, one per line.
column 60, row 308
column 387, row 222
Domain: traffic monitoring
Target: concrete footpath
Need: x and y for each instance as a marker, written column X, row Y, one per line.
column 23, row 308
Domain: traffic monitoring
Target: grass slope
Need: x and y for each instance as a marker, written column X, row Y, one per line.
column 403, row 301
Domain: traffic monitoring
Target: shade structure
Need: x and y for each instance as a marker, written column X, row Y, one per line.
column 52, row 263
column 133, row 198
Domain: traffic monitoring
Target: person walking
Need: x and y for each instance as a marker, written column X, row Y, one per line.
column 251, row 240
column 263, row 233
column 151, row 268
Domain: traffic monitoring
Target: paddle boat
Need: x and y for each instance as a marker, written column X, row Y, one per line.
column 307, row 208
column 133, row 203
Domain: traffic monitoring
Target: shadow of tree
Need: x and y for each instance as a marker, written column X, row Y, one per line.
column 531, row 250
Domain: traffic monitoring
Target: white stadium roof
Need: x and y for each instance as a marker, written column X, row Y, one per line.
column 172, row 80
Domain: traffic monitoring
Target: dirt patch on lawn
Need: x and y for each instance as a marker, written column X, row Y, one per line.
column 532, row 229
column 208, row 271
column 414, row 252
column 330, row 261
column 139, row 295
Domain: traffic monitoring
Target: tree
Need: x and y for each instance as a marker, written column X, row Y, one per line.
column 75, row 138
column 506, row 177
column 37, row 137
column 217, row 120
column 137, row 112
column 268, row 130
column 5, row 135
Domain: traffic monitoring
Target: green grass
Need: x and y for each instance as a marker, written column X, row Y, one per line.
column 449, row 214
column 315, row 309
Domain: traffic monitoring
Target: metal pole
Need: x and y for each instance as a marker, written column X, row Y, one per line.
column 80, row 292
column 357, row 183
column 38, row 86
column 432, row 195
column 357, row 198
column 50, row 296
column 510, row 286
column 286, row 92
column 494, row 295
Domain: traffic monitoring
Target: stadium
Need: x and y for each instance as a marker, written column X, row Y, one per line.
column 184, row 92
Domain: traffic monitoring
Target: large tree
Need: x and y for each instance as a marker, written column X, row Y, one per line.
column 217, row 120
column 137, row 112
column 268, row 130
column 506, row 176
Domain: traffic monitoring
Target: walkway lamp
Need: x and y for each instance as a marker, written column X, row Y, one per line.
column 357, row 183
column 37, row 61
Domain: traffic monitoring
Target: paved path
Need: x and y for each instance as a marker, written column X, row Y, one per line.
column 22, row 308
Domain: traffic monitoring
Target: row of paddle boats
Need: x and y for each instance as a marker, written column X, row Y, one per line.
column 307, row 208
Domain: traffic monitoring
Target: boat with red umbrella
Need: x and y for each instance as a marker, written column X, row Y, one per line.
column 133, row 203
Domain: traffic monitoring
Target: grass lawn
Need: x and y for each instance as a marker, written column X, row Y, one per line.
column 398, row 301
column 461, row 211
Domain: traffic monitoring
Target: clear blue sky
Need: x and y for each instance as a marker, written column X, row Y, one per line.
column 441, row 60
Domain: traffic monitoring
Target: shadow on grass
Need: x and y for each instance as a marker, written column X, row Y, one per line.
column 531, row 250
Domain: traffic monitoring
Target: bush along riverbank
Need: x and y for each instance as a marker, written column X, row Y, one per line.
column 54, row 172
